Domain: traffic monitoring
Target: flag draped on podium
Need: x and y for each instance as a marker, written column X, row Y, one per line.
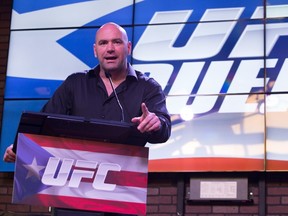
column 80, row 174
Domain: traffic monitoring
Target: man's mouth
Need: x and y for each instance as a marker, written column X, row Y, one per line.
column 111, row 58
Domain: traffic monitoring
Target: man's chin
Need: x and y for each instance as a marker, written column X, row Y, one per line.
column 111, row 69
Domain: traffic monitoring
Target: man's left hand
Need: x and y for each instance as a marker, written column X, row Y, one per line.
column 148, row 121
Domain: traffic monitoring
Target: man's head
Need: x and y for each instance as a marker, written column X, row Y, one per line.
column 112, row 48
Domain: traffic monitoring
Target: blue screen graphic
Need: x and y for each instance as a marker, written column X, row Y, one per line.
column 222, row 64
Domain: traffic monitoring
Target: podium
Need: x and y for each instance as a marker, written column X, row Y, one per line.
column 78, row 164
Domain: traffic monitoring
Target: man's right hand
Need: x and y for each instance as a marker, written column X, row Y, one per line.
column 9, row 155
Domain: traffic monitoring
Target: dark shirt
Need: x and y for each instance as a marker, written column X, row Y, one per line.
column 84, row 94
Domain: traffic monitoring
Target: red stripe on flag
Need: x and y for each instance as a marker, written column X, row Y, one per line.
column 88, row 204
column 126, row 178
column 123, row 178
column 88, row 145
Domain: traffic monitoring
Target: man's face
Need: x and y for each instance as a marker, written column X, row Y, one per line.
column 112, row 48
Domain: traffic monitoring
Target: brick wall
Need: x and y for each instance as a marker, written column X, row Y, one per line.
column 164, row 187
column 269, row 195
column 166, row 191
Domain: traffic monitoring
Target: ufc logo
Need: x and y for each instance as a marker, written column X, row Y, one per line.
column 57, row 175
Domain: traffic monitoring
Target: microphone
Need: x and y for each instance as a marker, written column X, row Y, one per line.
column 108, row 75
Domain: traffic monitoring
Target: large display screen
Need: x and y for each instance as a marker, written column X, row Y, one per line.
column 223, row 66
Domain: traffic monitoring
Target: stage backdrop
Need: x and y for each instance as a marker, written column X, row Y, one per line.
column 222, row 64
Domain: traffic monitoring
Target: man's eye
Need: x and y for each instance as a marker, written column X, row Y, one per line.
column 102, row 43
column 118, row 42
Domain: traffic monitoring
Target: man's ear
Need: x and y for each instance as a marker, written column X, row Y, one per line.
column 129, row 47
column 94, row 50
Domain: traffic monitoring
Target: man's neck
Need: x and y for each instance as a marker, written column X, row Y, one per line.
column 116, row 77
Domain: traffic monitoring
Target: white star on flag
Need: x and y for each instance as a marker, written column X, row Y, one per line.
column 33, row 169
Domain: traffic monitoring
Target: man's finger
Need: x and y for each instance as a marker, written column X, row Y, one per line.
column 145, row 110
column 136, row 120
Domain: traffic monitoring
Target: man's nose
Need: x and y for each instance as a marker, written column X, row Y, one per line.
column 110, row 47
